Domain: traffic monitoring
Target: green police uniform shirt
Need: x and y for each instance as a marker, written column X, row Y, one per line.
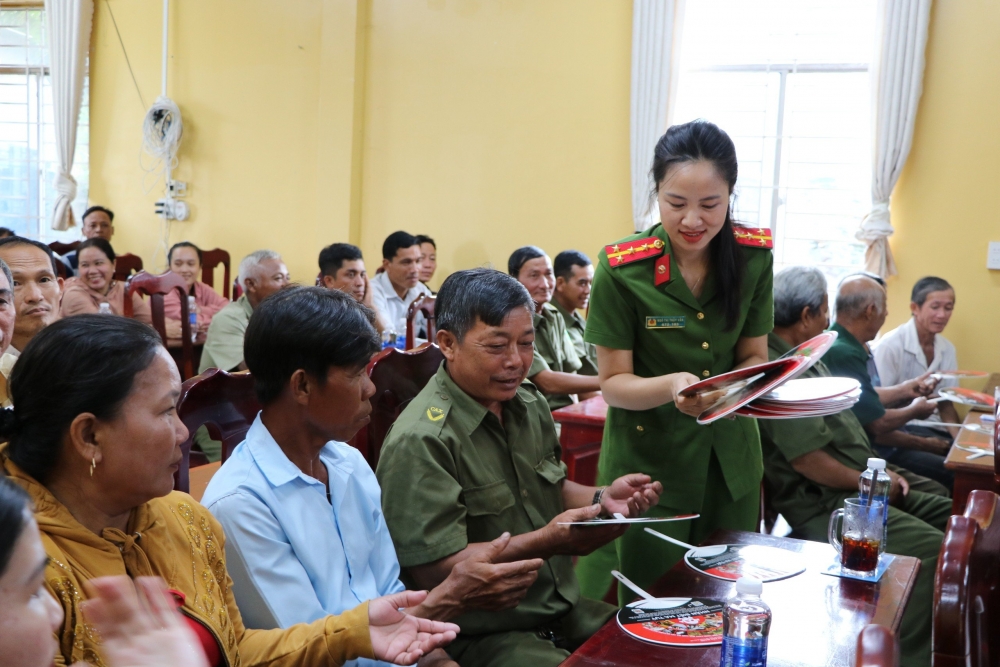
column 849, row 358
column 575, row 328
column 451, row 475
column 669, row 331
column 554, row 351
column 840, row 435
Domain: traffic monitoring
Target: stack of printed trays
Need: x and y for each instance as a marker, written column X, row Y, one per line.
column 809, row 397
column 771, row 391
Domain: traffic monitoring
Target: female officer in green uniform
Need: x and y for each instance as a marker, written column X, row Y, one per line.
column 686, row 300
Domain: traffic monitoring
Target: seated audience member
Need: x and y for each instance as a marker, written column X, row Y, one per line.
column 98, row 222
column 184, row 259
column 99, row 467
column 7, row 312
column 342, row 267
column 916, row 348
column 812, row 464
column 95, row 284
column 302, row 508
column 574, row 275
column 261, row 274
column 399, row 284
column 428, row 257
column 861, row 310
column 139, row 626
column 555, row 365
column 453, row 459
column 37, row 289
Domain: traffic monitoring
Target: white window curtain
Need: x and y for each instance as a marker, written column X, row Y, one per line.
column 655, row 29
column 897, row 83
column 68, row 23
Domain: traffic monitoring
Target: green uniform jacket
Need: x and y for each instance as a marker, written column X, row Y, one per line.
column 451, row 475
column 575, row 327
column 554, row 351
column 784, row 440
column 669, row 331
column 849, row 358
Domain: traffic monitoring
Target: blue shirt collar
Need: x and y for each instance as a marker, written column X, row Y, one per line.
column 275, row 465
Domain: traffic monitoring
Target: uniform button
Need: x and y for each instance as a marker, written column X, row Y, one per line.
column 704, row 346
column 640, row 429
column 705, row 374
column 701, row 316
column 524, row 492
column 443, row 397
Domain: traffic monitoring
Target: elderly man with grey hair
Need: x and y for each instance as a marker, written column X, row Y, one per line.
column 812, row 464
column 261, row 274
column 861, row 310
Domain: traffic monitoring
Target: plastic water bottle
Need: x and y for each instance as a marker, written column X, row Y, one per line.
column 193, row 317
column 874, row 484
column 746, row 620
column 104, row 308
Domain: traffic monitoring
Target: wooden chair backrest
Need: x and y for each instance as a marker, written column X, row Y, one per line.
column 211, row 259
column 967, row 587
column 237, row 289
column 126, row 265
column 61, row 248
column 876, row 648
column 398, row 378
column 225, row 403
column 996, row 435
column 155, row 287
column 422, row 304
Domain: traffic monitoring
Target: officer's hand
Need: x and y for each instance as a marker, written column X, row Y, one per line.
column 480, row 582
column 694, row 405
column 899, row 489
column 580, row 540
column 631, row 495
column 921, row 408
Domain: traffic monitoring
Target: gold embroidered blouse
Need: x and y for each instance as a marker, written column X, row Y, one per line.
column 177, row 539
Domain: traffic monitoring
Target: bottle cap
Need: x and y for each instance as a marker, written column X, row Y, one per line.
column 876, row 464
column 749, row 586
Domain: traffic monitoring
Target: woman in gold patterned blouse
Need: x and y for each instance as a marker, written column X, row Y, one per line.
column 95, row 441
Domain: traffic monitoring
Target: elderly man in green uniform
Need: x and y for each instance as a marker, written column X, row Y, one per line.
column 812, row 464
column 574, row 275
column 556, row 364
column 861, row 312
column 475, row 456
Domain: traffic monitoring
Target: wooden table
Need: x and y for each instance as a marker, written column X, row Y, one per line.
column 817, row 618
column 970, row 475
column 581, row 435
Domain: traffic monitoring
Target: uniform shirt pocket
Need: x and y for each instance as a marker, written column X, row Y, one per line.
column 550, row 471
column 488, row 499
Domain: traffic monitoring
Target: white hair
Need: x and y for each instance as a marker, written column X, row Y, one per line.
column 796, row 288
column 250, row 265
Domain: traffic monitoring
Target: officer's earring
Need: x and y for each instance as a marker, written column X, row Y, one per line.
column 93, row 464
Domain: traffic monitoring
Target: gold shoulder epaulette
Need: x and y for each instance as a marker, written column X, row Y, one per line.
column 620, row 254
column 756, row 237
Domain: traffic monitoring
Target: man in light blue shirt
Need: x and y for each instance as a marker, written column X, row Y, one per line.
column 301, row 509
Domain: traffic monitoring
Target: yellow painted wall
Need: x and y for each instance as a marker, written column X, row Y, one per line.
column 945, row 209
column 487, row 124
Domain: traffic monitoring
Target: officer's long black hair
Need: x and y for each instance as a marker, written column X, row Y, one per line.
column 701, row 140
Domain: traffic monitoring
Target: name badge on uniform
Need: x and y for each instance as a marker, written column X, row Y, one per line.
column 665, row 321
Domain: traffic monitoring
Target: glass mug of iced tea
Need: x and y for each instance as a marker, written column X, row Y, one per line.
column 862, row 535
